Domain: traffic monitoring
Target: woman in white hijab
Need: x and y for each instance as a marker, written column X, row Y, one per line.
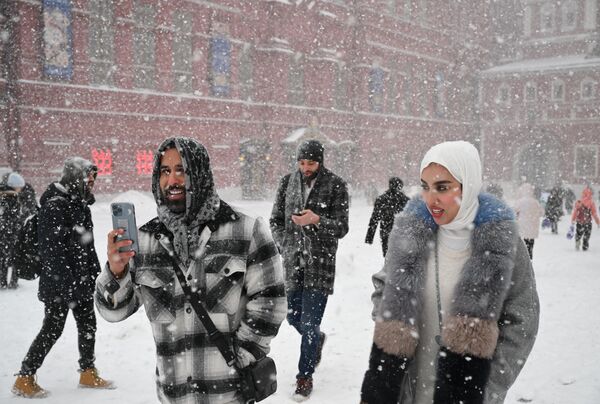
column 456, row 307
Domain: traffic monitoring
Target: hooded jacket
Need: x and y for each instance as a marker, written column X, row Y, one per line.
column 494, row 318
column 233, row 263
column 69, row 263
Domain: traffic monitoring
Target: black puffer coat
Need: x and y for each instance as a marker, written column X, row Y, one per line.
column 387, row 205
column 69, row 261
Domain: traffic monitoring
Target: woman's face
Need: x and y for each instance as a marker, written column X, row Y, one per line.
column 441, row 192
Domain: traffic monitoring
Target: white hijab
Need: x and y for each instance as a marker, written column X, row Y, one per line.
column 462, row 160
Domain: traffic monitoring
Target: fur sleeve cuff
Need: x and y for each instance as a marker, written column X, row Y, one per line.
column 470, row 336
column 396, row 338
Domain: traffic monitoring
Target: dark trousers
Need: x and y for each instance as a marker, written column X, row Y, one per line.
column 554, row 226
column 529, row 243
column 305, row 312
column 55, row 316
column 584, row 230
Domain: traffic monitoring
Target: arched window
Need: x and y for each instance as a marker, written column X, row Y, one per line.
column 588, row 89
column 569, row 16
column 558, row 90
column 503, row 96
column 530, row 93
column 547, row 18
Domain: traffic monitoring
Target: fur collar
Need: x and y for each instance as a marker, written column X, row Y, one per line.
column 471, row 326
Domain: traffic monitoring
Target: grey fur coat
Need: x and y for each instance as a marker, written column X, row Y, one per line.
column 496, row 309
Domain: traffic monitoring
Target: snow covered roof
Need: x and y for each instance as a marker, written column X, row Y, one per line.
column 545, row 64
column 310, row 132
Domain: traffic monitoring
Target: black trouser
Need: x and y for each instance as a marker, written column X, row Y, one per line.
column 52, row 328
column 554, row 225
column 529, row 243
column 584, row 230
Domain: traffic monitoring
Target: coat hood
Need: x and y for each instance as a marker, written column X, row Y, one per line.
column 74, row 176
column 199, row 184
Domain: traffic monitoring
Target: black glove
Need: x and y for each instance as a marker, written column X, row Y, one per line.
column 384, row 378
column 460, row 378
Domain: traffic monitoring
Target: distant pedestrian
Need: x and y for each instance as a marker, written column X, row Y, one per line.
column 10, row 223
column 387, row 205
column 27, row 199
column 529, row 212
column 584, row 211
column 554, row 208
column 569, row 199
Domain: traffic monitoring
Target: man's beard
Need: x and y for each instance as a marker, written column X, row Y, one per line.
column 173, row 206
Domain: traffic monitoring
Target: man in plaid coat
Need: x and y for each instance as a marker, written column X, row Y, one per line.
column 309, row 215
column 228, row 257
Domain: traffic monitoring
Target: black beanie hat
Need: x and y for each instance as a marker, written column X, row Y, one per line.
column 311, row 150
column 396, row 183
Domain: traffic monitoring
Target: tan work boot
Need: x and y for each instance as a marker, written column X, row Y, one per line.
column 89, row 378
column 26, row 386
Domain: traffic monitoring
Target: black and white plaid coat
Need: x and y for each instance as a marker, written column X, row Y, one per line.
column 310, row 248
column 242, row 270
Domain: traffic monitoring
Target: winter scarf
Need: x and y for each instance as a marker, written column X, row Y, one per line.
column 202, row 200
column 461, row 159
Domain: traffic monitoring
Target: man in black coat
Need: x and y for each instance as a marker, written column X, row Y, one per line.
column 69, row 270
column 387, row 205
column 309, row 216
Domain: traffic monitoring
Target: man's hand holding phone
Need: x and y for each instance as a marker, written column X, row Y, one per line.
column 118, row 260
column 305, row 217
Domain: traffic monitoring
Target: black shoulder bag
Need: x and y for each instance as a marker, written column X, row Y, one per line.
column 258, row 380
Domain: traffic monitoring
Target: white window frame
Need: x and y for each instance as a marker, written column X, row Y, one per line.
column 584, row 82
column 585, row 147
column 530, row 84
column 527, row 21
column 499, row 100
column 552, row 89
column 565, row 9
column 547, row 10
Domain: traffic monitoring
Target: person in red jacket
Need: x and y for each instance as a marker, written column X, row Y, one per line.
column 584, row 211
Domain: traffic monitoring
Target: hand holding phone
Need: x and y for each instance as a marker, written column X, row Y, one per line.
column 123, row 217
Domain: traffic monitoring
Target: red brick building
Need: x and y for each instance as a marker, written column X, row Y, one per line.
column 379, row 81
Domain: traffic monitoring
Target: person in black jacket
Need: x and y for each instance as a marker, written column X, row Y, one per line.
column 309, row 216
column 10, row 223
column 554, row 208
column 69, row 270
column 387, row 205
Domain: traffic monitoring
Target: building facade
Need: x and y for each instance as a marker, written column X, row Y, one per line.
column 379, row 81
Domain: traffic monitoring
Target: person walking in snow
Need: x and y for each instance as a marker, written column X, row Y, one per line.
column 583, row 212
column 456, row 308
column 387, row 205
column 69, row 269
column 27, row 198
column 554, row 208
column 309, row 216
column 529, row 212
column 10, row 224
column 228, row 257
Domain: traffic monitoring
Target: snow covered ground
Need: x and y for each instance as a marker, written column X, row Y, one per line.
column 562, row 369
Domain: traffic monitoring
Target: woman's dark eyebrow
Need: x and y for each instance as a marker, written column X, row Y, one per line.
column 443, row 182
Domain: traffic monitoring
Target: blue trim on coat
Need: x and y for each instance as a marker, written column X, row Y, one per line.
column 491, row 209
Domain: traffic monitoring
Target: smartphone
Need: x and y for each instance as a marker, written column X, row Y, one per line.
column 123, row 217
